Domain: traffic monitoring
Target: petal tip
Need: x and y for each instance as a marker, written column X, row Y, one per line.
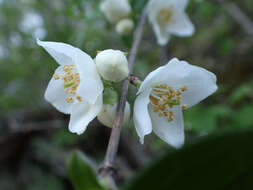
column 141, row 140
column 78, row 132
column 38, row 41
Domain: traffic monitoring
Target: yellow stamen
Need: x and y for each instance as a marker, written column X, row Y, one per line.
column 153, row 100
column 69, row 99
column 163, row 98
column 79, row 98
column 183, row 88
column 165, row 16
column 184, row 107
column 71, row 81
column 56, row 76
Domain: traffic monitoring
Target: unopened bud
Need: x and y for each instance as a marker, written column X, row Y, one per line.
column 115, row 10
column 108, row 112
column 112, row 65
column 110, row 96
column 125, row 27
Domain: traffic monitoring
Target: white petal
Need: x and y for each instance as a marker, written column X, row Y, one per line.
column 171, row 132
column 55, row 93
column 161, row 33
column 63, row 53
column 179, row 4
column 200, row 82
column 155, row 6
column 181, row 25
column 91, row 85
column 141, row 116
column 153, row 77
column 82, row 114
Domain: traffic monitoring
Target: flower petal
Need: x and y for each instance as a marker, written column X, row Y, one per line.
column 171, row 132
column 200, row 82
column 91, row 85
column 161, row 33
column 181, row 25
column 179, row 4
column 155, row 6
column 55, row 93
column 63, row 53
column 153, row 77
column 82, row 114
column 141, row 116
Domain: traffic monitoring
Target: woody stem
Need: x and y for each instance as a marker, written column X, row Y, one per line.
column 108, row 169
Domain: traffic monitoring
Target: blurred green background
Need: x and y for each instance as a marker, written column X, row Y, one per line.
column 34, row 139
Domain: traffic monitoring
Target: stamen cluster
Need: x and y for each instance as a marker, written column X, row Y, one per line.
column 71, row 80
column 165, row 15
column 164, row 97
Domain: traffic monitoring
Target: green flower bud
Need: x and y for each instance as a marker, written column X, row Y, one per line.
column 125, row 27
column 108, row 112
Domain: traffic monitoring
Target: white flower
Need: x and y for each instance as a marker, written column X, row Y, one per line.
column 76, row 87
column 108, row 112
column 115, row 10
column 169, row 17
column 163, row 95
column 112, row 65
column 124, row 27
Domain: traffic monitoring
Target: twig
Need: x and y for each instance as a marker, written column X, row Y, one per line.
column 239, row 16
column 108, row 170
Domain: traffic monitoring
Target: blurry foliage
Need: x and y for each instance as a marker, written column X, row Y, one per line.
column 81, row 173
column 215, row 162
column 64, row 138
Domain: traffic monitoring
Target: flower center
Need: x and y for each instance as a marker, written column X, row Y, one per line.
column 163, row 98
column 71, row 80
column 165, row 16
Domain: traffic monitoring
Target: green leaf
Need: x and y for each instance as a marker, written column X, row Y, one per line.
column 81, row 174
column 218, row 162
column 243, row 117
column 205, row 118
column 241, row 92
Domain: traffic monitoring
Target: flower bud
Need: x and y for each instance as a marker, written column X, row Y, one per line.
column 112, row 65
column 110, row 96
column 125, row 27
column 115, row 10
column 108, row 112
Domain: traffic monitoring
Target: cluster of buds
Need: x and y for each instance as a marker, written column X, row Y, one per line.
column 117, row 12
column 112, row 65
column 84, row 87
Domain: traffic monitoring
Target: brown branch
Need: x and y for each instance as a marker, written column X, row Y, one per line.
column 238, row 15
column 108, row 170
